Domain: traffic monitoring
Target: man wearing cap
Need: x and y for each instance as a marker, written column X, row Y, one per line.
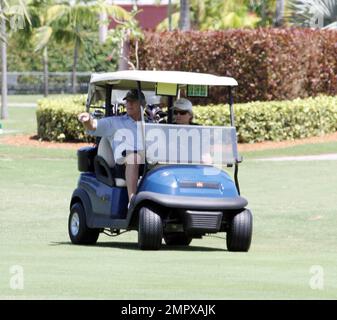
column 107, row 127
column 182, row 111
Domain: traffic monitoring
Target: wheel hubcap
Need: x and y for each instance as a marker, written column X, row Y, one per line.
column 75, row 224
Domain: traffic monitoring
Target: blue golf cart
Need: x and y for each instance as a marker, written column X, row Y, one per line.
column 183, row 190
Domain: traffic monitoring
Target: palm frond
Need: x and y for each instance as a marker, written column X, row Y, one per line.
column 41, row 37
column 312, row 13
column 116, row 12
column 58, row 11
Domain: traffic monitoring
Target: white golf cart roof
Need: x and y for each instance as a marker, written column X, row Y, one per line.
column 126, row 79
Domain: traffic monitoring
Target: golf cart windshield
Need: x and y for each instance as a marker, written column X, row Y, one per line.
column 186, row 144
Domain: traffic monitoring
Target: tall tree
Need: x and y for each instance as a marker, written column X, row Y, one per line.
column 72, row 21
column 217, row 15
column 39, row 34
column 14, row 13
column 119, row 39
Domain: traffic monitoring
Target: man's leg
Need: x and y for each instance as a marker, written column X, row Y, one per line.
column 132, row 173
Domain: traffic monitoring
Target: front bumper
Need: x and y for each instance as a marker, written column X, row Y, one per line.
column 191, row 203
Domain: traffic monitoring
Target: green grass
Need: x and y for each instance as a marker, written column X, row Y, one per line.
column 304, row 149
column 20, row 121
column 294, row 207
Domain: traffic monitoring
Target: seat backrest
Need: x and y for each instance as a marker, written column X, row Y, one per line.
column 105, row 151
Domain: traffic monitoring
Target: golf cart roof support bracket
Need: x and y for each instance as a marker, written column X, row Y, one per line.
column 231, row 110
column 236, row 178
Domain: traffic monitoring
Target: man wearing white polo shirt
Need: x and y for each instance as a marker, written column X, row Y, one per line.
column 107, row 127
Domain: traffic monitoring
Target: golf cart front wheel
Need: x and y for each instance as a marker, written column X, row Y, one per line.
column 177, row 239
column 150, row 230
column 78, row 230
column 239, row 234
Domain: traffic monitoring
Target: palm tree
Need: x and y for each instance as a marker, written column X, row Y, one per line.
column 16, row 13
column 313, row 13
column 38, row 33
column 72, row 21
column 217, row 15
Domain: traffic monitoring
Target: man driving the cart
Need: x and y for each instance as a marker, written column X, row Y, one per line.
column 132, row 156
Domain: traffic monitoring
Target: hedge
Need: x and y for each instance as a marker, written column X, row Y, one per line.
column 57, row 119
column 276, row 120
column 269, row 64
column 255, row 121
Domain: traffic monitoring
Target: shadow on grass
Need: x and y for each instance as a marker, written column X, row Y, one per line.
column 134, row 246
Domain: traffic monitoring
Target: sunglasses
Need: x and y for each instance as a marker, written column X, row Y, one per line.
column 175, row 112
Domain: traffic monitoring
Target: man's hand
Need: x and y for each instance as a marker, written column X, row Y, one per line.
column 84, row 117
column 88, row 122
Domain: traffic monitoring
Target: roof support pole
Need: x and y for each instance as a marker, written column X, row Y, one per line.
column 139, row 89
column 231, row 111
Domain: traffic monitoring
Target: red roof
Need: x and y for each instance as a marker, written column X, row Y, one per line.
column 149, row 17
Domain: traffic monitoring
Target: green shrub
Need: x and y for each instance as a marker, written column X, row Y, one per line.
column 255, row 121
column 57, row 119
column 275, row 120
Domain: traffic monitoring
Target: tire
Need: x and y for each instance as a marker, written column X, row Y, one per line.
column 177, row 239
column 78, row 231
column 240, row 231
column 150, row 230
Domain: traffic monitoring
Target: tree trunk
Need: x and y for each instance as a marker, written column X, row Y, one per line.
column 279, row 13
column 4, row 107
column 184, row 21
column 169, row 13
column 45, row 72
column 103, row 28
column 74, row 76
column 124, row 54
column 104, row 24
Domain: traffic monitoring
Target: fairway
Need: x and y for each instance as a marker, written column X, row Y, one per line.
column 294, row 207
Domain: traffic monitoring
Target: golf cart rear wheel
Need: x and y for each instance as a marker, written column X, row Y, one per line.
column 177, row 239
column 240, row 231
column 79, row 232
column 150, row 230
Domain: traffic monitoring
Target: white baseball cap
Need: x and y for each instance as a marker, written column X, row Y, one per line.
column 183, row 104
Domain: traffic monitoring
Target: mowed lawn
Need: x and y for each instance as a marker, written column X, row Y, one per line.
column 293, row 252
